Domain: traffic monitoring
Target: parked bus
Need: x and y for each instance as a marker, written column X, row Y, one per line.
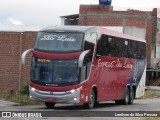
column 86, row 65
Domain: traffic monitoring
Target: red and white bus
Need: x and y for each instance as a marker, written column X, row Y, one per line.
column 86, row 65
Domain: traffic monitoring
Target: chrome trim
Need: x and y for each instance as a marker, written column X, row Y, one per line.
column 49, row 93
column 60, row 97
column 23, row 57
column 81, row 58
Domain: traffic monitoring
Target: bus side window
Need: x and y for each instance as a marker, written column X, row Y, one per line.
column 143, row 51
column 125, row 49
column 101, row 46
column 89, row 44
column 121, row 48
column 132, row 49
column 138, row 50
column 117, row 47
column 108, row 46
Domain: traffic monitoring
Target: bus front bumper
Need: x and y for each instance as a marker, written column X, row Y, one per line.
column 72, row 96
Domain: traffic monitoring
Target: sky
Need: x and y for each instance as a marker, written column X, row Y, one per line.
column 47, row 12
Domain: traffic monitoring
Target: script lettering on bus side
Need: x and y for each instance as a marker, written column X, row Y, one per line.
column 58, row 38
column 117, row 64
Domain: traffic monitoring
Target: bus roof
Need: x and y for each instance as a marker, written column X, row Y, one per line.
column 98, row 29
column 70, row 29
column 107, row 31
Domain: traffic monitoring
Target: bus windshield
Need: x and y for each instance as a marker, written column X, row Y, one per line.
column 59, row 42
column 59, row 72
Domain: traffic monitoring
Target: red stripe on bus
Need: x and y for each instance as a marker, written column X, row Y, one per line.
column 56, row 56
column 52, row 88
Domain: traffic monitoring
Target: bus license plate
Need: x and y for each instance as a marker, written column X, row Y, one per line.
column 52, row 99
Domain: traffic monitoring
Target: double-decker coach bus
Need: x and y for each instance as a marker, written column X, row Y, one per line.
column 86, row 65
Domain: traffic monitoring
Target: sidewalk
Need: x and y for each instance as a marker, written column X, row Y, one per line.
column 8, row 103
column 156, row 88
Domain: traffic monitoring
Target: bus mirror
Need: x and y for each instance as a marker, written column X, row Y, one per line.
column 23, row 57
column 81, row 58
column 82, row 73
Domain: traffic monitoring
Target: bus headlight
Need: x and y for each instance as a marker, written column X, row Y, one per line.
column 33, row 89
column 74, row 90
column 75, row 99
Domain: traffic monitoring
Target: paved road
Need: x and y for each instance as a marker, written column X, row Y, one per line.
column 139, row 105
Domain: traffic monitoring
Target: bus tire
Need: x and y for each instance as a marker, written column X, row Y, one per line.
column 131, row 96
column 91, row 103
column 49, row 104
column 125, row 100
column 96, row 104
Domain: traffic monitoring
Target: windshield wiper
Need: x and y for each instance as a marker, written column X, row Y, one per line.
column 65, row 82
column 34, row 79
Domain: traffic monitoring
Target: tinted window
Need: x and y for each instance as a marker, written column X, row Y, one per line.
column 120, row 47
column 58, row 72
column 101, row 46
column 89, row 44
column 90, row 40
column 132, row 49
column 143, row 51
column 59, row 42
column 140, row 50
column 112, row 46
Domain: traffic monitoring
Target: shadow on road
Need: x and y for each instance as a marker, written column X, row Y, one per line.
column 81, row 107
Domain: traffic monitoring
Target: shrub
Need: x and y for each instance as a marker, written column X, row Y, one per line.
column 24, row 90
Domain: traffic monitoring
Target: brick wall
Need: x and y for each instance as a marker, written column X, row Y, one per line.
column 10, row 53
column 158, row 37
column 96, row 15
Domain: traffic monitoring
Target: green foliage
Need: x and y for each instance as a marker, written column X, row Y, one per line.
column 21, row 97
column 151, row 94
column 24, row 90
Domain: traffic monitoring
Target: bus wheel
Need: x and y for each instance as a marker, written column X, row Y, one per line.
column 49, row 104
column 125, row 101
column 91, row 103
column 131, row 96
column 96, row 103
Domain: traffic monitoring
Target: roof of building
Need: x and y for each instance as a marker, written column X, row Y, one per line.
column 73, row 16
column 19, row 28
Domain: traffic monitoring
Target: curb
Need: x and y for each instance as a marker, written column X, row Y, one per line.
column 156, row 88
column 8, row 103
